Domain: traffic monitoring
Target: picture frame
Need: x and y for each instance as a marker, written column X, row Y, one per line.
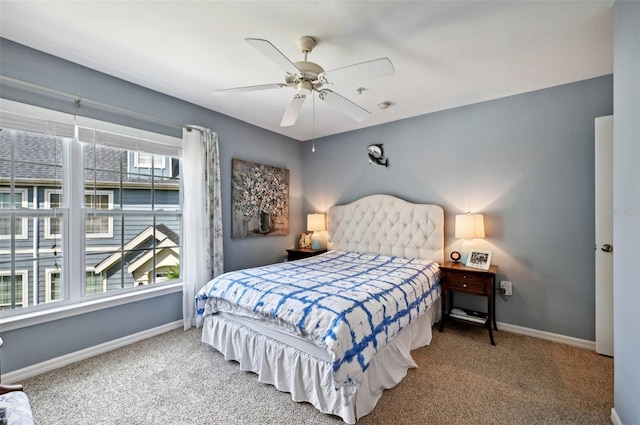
column 479, row 259
column 259, row 200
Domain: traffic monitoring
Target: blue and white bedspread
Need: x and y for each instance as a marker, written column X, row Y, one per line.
column 350, row 303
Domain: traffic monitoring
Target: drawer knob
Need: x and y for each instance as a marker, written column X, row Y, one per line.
column 464, row 285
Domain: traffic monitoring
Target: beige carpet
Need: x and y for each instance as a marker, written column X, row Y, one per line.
column 174, row 379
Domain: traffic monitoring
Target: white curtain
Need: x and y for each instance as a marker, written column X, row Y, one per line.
column 202, row 215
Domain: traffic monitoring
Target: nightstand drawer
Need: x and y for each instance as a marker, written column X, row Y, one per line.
column 464, row 282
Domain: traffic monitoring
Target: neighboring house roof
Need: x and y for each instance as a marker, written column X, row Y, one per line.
column 36, row 149
column 166, row 238
column 173, row 236
column 147, row 255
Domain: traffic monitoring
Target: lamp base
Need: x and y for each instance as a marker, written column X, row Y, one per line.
column 315, row 241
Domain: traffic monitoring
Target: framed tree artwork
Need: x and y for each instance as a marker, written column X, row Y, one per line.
column 259, row 200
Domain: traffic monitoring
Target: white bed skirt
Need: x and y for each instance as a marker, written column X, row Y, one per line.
column 307, row 378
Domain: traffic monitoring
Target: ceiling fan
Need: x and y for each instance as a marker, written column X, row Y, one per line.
column 306, row 77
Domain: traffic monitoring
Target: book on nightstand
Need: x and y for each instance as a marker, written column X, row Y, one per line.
column 468, row 315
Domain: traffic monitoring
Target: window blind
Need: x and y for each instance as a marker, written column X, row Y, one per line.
column 20, row 116
column 117, row 136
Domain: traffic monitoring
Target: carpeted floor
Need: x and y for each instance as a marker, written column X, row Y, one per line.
column 461, row 379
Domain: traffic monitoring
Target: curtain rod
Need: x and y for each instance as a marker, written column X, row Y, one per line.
column 79, row 99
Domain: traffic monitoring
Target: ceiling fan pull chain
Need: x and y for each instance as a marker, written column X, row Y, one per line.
column 313, row 122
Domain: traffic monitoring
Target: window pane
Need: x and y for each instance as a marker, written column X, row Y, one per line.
column 37, row 281
column 167, row 193
column 152, row 189
column 103, row 165
column 136, row 262
column 34, row 266
column 108, row 274
column 143, row 249
column 35, row 156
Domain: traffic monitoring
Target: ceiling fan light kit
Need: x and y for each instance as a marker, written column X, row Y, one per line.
column 304, row 88
column 306, row 77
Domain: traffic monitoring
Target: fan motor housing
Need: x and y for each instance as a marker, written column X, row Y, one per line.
column 309, row 71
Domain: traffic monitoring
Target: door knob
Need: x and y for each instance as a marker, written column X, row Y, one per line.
column 607, row 248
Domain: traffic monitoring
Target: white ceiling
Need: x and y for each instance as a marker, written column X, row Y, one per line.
column 445, row 53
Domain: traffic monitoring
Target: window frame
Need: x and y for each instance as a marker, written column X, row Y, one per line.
column 72, row 213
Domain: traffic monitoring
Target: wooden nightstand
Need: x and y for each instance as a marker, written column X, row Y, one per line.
column 300, row 253
column 456, row 277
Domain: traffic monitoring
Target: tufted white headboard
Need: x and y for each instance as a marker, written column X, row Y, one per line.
column 384, row 224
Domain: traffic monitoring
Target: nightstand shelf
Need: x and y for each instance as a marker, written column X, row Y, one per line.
column 300, row 253
column 467, row 315
column 456, row 277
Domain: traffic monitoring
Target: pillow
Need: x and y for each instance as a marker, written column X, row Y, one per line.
column 305, row 240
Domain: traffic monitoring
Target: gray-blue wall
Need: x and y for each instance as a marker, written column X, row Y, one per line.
column 27, row 346
column 526, row 162
column 626, row 205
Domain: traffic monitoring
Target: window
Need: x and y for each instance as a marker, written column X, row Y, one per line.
column 147, row 160
column 21, row 290
column 19, row 224
column 53, row 226
column 53, row 289
column 96, row 227
column 94, row 284
column 107, row 229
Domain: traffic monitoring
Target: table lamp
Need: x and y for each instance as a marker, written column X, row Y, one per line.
column 468, row 227
column 315, row 224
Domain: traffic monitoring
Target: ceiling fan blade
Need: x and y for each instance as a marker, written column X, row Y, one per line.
column 374, row 68
column 249, row 88
column 293, row 110
column 344, row 105
column 272, row 53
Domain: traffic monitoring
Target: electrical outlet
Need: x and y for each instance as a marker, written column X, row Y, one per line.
column 505, row 287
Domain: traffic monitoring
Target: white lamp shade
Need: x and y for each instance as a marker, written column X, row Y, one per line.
column 315, row 222
column 469, row 226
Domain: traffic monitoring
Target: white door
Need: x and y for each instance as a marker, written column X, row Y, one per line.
column 604, row 235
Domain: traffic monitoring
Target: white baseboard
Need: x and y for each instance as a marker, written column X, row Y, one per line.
column 58, row 362
column 615, row 419
column 576, row 342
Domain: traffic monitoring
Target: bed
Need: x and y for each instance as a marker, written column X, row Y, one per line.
column 336, row 329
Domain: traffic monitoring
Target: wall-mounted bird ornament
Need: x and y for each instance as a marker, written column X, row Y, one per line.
column 376, row 156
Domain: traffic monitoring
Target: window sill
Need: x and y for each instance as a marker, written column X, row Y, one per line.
column 51, row 314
